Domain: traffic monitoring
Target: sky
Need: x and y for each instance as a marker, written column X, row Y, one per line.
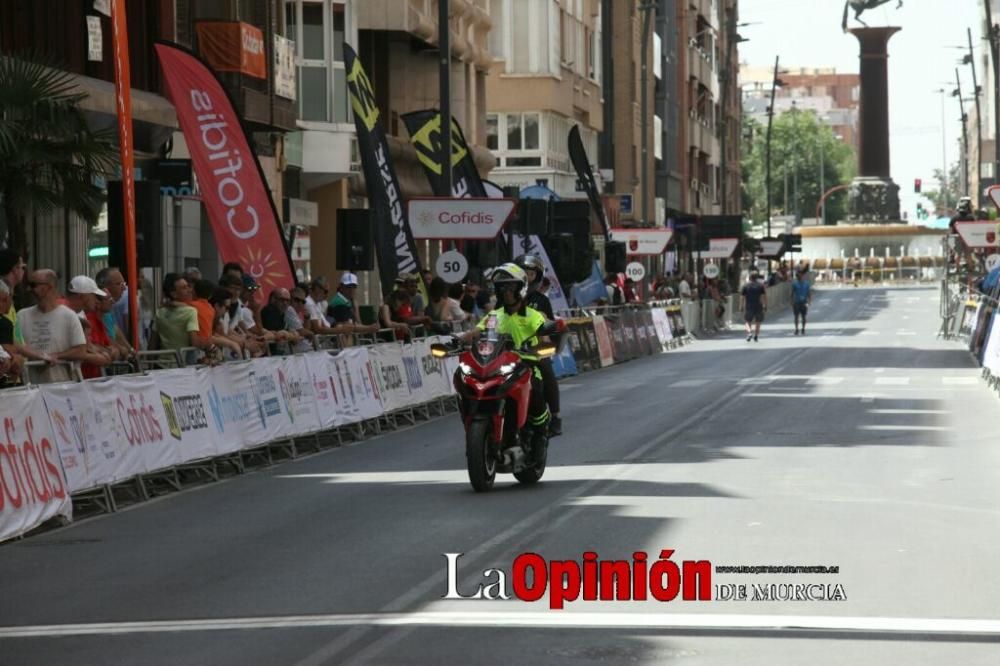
column 807, row 33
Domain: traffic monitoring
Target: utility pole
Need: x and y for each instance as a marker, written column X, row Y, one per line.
column 770, row 119
column 648, row 9
column 444, row 88
column 724, row 76
column 979, row 122
column 965, row 135
column 944, row 152
column 994, row 38
column 822, row 181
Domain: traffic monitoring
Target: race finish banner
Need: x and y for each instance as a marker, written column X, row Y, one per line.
column 394, row 244
column 239, row 204
column 578, row 155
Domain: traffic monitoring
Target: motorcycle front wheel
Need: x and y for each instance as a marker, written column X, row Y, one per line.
column 481, row 463
column 533, row 474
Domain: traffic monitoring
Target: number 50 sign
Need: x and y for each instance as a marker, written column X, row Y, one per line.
column 451, row 266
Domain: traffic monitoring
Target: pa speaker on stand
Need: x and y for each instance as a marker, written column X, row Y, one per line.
column 355, row 239
column 148, row 224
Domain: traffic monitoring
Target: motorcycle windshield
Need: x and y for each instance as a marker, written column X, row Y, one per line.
column 486, row 350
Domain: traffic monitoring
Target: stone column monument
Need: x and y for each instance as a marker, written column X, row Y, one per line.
column 874, row 197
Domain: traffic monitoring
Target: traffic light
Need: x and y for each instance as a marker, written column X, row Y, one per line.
column 916, row 185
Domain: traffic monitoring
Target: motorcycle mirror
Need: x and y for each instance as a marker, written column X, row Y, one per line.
column 545, row 351
column 438, row 350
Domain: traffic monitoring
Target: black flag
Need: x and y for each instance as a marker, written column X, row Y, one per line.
column 397, row 253
column 578, row 155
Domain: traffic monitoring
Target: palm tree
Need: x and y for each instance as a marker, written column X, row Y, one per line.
column 48, row 155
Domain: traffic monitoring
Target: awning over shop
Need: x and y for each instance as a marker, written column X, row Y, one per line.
column 153, row 117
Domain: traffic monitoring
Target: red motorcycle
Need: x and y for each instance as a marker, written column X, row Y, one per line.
column 494, row 387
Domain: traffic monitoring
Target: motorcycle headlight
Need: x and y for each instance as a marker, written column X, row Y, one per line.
column 507, row 368
column 465, row 368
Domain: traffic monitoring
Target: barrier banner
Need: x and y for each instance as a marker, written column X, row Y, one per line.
column 32, row 482
column 969, row 316
column 88, row 460
column 184, row 395
column 646, row 321
column 983, row 318
column 662, row 325
column 390, row 376
column 353, row 388
column 991, row 350
column 267, row 374
column 563, row 363
column 437, row 373
column 413, row 363
column 105, row 426
column 297, row 394
column 640, row 345
column 576, row 340
column 143, row 422
column 236, row 414
column 604, row 344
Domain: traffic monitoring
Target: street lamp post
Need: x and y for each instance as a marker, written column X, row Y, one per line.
column 767, row 149
column 979, row 121
column 965, row 135
column 994, row 38
column 944, row 151
column 648, row 9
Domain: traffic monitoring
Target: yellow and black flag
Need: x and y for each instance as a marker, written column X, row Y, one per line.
column 425, row 133
column 394, row 245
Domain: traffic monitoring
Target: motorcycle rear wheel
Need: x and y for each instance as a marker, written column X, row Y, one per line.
column 481, row 463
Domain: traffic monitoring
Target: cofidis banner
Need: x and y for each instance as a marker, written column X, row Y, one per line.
column 240, row 209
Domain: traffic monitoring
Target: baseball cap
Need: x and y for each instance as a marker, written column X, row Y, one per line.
column 349, row 280
column 82, row 284
column 250, row 283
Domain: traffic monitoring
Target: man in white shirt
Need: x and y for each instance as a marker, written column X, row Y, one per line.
column 684, row 288
column 316, row 302
column 52, row 329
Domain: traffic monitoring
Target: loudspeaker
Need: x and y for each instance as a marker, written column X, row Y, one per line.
column 614, row 257
column 535, row 214
column 355, row 239
column 570, row 217
column 148, row 224
column 571, row 256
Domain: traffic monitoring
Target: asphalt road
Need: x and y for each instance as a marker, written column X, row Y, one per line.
column 867, row 445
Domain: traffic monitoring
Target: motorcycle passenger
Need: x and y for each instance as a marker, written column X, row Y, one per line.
column 535, row 270
column 521, row 323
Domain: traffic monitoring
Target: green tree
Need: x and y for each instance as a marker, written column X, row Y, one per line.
column 945, row 197
column 49, row 156
column 798, row 142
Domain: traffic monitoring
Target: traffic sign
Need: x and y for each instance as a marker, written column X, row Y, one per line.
column 451, row 266
column 635, row 270
column 711, row 271
column 978, row 234
column 992, row 261
column 720, row 248
column 643, row 241
column 445, row 218
column 771, row 247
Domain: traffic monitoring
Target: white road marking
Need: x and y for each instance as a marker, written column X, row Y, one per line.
column 754, row 381
column 908, row 411
column 566, row 618
column 959, row 381
column 906, row 332
column 904, row 428
column 825, row 381
column 892, row 381
column 689, row 382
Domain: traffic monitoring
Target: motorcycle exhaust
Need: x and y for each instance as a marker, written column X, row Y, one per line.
column 514, row 457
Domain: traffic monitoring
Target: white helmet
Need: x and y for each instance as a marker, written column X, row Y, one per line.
column 510, row 276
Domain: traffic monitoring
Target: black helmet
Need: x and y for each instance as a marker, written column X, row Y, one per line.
column 533, row 262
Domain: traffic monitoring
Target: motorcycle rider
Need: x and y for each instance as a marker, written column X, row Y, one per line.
column 522, row 323
column 535, row 270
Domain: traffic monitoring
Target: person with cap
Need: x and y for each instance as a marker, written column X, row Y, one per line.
column 82, row 297
column 52, row 332
column 754, row 305
column 343, row 311
column 534, row 269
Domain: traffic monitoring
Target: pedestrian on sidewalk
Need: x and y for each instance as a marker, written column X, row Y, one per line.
column 754, row 305
column 801, row 299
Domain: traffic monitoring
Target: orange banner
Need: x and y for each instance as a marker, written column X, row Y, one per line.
column 123, row 103
column 232, row 47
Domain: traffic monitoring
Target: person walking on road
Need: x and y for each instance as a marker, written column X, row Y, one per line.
column 801, row 299
column 754, row 305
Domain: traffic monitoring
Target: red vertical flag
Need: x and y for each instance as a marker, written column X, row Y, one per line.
column 243, row 217
column 123, row 99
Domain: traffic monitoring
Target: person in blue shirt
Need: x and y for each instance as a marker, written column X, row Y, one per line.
column 801, row 298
